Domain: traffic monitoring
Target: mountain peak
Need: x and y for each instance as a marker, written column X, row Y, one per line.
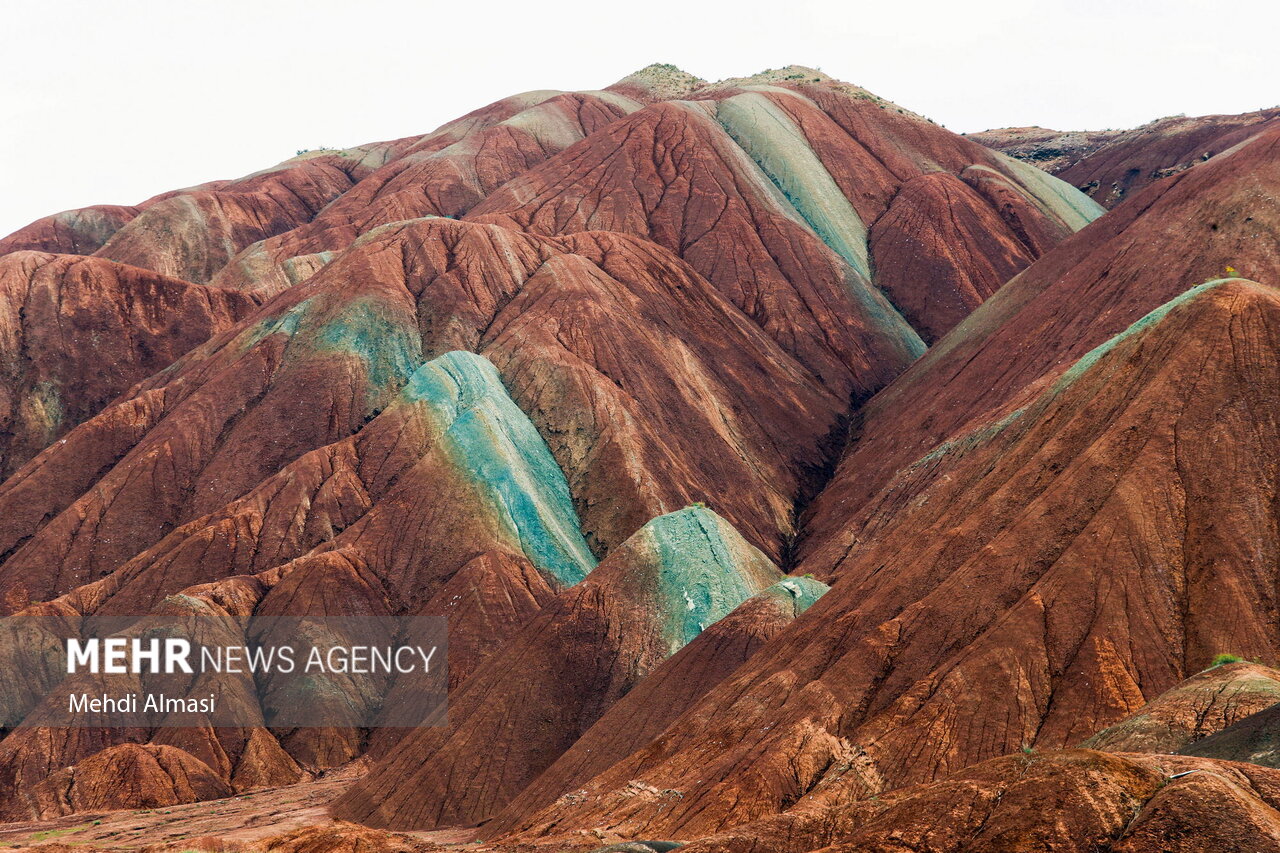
column 660, row 81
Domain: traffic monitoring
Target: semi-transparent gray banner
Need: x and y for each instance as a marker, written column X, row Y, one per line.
column 158, row 671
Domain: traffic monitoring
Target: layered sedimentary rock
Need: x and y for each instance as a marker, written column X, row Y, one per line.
column 937, row 229
column 792, row 179
column 1217, row 219
column 682, row 329
column 447, row 177
column 317, row 362
column 450, row 469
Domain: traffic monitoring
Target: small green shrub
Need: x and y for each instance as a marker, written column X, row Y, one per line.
column 1224, row 658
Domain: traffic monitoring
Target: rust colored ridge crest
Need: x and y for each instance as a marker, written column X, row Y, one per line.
column 72, row 232
column 445, row 178
column 314, row 364
column 197, row 230
column 820, row 166
column 191, row 235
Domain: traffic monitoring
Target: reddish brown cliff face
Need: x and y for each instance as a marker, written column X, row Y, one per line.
column 790, row 472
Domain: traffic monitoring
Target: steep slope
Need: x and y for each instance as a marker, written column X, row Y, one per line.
column 1113, row 165
column 1045, row 479
column 191, row 235
column 1183, row 231
column 792, row 179
column 666, row 693
column 665, row 585
column 1106, row 570
column 199, row 228
column 463, row 367
column 313, row 365
column 431, row 180
column 938, row 230
column 836, row 152
column 450, row 470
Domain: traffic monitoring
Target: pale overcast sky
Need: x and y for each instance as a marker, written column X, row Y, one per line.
column 112, row 101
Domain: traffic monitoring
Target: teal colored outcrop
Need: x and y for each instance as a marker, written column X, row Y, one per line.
column 389, row 348
column 783, row 153
column 499, row 452
column 703, row 569
column 800, row 592
column 804, row 187
column 1069, row 204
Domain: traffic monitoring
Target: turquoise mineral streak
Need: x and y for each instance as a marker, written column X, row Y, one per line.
column 704, row 570
column 783, row 153
column 1147, row 321
column 800, row 592
column 388, row 347
column 499, row 451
